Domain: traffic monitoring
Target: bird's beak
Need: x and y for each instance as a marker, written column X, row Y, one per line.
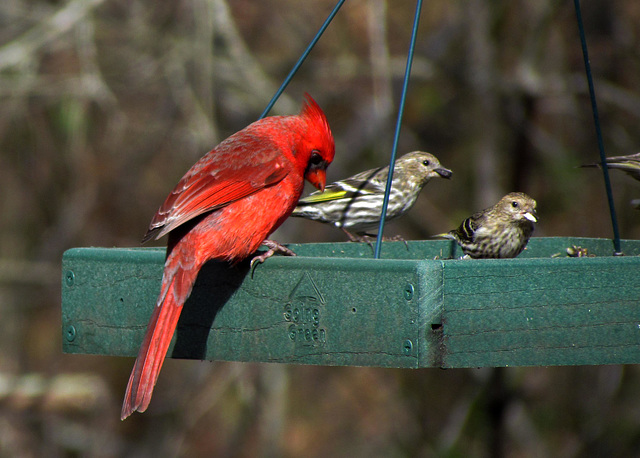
column 317, row 177
column 531, row 217
column 444, row 173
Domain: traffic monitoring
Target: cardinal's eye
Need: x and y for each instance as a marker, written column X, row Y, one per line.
column 426, row 163
column 315, row 158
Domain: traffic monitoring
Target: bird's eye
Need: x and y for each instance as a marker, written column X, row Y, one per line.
column 514, row 204
column 426, row 163
column 315, row 158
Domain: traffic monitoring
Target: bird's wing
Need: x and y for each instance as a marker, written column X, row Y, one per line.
column 629, row 158
column 631, row 167
column 633, row 160
column 222, row 176
column 470, row 226
column 327, row 195
column 629, row 164
column 364, row 183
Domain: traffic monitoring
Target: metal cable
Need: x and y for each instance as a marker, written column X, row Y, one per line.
column 405, row 85
column 596, row 120
column 302, row 58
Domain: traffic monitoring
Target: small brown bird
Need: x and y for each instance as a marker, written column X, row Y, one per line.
column 355, row 203
column 629, row 164
column 501, row 231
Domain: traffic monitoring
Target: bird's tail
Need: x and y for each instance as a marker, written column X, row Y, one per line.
column 176, row 287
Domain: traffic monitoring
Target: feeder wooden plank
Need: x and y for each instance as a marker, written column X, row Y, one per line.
column 334, row 305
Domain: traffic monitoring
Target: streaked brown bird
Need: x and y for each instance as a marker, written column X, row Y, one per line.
column 355, row 203
column 501, row 231
column 629, row 164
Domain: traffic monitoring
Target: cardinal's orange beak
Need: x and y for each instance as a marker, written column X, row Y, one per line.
column 317, row 177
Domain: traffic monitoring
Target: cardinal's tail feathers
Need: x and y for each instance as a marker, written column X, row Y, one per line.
column 160, row 329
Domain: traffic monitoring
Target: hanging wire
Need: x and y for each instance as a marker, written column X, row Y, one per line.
column 596, row 120
column 302, row 58
column 405, row 85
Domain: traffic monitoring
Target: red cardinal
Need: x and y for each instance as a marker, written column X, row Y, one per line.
column 224, row 208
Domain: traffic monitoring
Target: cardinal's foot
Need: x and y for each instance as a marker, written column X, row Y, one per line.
column 274, row 247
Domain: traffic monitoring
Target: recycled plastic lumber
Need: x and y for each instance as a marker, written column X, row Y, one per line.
column 335, row 305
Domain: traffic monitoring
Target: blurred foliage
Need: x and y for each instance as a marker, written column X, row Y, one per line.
column 106, row 103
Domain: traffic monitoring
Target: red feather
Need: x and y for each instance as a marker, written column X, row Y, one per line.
column 245, row 188
column 218, row 179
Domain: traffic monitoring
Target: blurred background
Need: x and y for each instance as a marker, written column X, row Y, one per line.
column 104, row 104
